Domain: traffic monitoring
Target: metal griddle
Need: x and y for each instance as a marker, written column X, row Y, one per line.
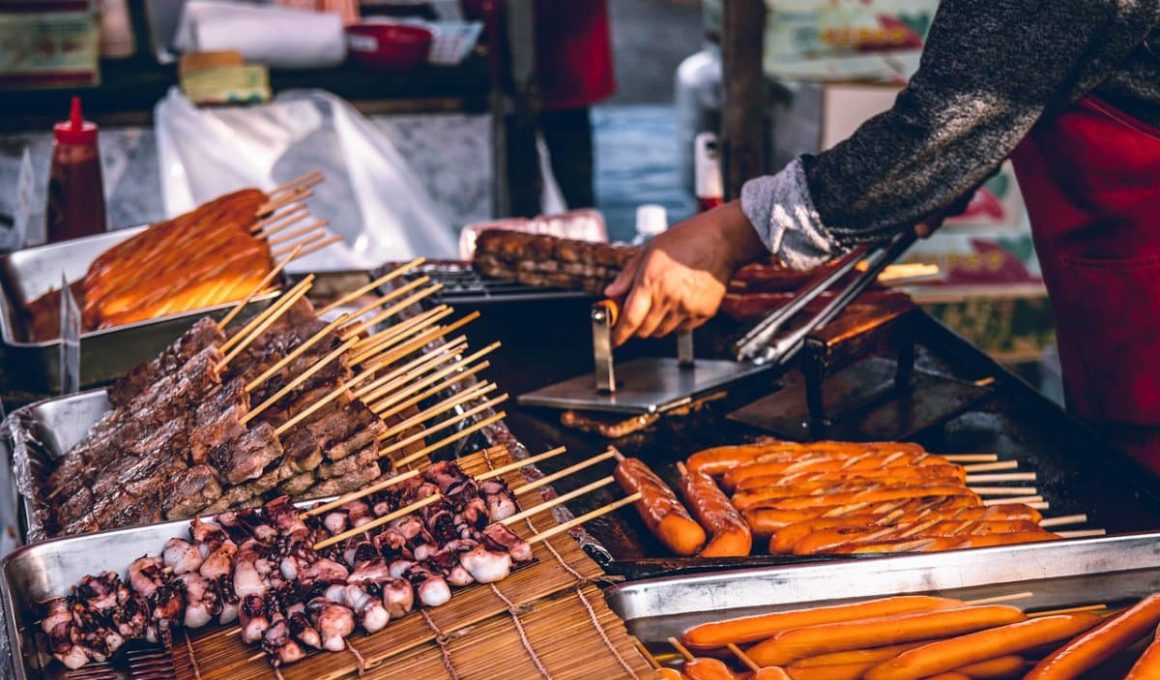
column 971, row 404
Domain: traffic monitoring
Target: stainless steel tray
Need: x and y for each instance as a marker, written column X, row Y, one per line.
column 1058, row 574
column 32, row 367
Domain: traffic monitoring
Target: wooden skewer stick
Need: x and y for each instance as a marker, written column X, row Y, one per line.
column 379, row 521
column 1068, row 610
column 310, row 178
column 456, row 400
column 278, row 221
column 1063, row 521
column 560, row 474
column 559, row 500
column 331, row 396
column 298, row 194
column 385, row 278
column 417, row 366
column 648, row 656
column 298, row 351
column 1002, row 477
column 387, row 338
column 317, row 225
column 306, row 242
column 283, row 305
column 1000, row 598
column 392, row 310
column 684, row 651
column 361, row 493
column 1004, row 490
column 423, row 339
column 992, row 467
column 381, row 300
column 420, row 362
column 1029, row 501
column 462, row 434
column 384, row 413
column 586, row 517
column 1082, row 533
column 970, row 457
column 316, row 247
column 403, row 443
column 530, row 460
column 743, row 657
column 257, row 320
column 298, row 380
column 266, row 280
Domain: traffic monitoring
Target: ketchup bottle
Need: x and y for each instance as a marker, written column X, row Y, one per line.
column 707, row 181
column 76, row 193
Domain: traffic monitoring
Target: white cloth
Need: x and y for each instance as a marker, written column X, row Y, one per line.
column 281, row 37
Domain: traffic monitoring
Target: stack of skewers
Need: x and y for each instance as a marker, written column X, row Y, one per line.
column 287, row 404
column 212, row 255
column 298, row 582
column 841, row 498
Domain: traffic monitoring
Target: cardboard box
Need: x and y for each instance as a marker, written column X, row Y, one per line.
column 57, row 46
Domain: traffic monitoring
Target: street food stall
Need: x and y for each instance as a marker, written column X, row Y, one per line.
column 227, row 462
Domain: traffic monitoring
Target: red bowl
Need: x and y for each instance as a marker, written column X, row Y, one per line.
column 389, row 47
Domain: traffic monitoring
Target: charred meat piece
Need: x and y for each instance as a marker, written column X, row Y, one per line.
column 205, row 333
column 217, row 420
column 247, row 456
column 189, row 491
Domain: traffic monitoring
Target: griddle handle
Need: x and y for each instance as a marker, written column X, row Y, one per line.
column 604, row 315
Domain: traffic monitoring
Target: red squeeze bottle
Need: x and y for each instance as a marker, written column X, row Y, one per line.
column 76, row 193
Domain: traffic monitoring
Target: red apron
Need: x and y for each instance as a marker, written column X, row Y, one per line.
column 1091, row 180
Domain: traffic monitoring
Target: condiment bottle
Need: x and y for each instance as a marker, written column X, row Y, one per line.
column 651, row 220
column 707, row 181
column 76, row 193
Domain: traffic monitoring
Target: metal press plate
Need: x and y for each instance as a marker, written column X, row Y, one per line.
column 647, row 385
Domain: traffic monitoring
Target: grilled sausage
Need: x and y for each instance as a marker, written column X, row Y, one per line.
column 863, row 656
column 666, row 518
column 729, row 535
column 834, row 484
column 764, row 521
column 992, row 669
column 871, row 495
column 721, row 459
column 849, row 671
column 747, row 483
column 829, row 463
column 940, row 543
column 789, row 645
column 707, row 669
column 770, row 673
column 826, row 540
column 761, row 626
column 956, row 652
column 1097, row 646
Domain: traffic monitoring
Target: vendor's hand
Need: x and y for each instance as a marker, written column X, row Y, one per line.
column 678, row 280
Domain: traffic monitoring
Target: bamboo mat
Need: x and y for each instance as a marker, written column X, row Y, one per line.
column 547, row 620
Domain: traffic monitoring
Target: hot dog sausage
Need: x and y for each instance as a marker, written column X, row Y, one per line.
column 753, row 628
column 721, row 459
column 729, row 535
column 1148, row 666
column 940, row 543
column 771, row 494
column 874, row 495
column 670, row 674
column 993, row 669
column 1097, row 646
column 956, row 652
column 863, row 656
column 766, row 520
column 789, row 645
column 666, row 518
column 747, row 483
column 849, row 671
column 825, row 463
column 828, row 540
column 770, row 673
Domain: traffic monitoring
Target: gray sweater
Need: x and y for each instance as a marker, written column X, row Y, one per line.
column 991, row 69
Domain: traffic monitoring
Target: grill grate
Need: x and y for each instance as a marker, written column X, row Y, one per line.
column 462, row 284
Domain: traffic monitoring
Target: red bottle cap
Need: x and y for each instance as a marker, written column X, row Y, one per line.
column 75, row 130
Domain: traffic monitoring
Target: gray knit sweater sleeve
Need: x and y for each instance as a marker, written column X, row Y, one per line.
column 990, row 70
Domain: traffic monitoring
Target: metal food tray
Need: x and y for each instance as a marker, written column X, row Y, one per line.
column 1114, row 571
column 33, row 367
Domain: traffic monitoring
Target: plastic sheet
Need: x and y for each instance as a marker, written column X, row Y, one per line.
column 371, row 197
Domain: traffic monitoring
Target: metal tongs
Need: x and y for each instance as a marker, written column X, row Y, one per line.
column 759, row 345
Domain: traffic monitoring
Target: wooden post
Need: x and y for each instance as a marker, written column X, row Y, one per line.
column 515, row 102
column 743, row 109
